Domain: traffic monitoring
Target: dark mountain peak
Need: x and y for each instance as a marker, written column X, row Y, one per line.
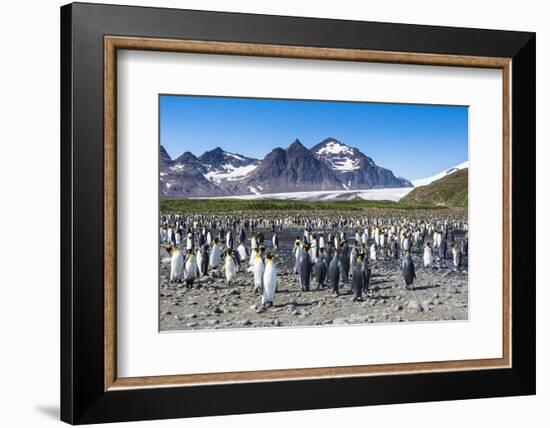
column 187, row 157
column 219, row 159
column 297, row 146
column 165, row 158
column 164, row 154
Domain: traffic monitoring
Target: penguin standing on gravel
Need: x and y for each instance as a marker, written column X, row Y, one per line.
column 321, row 269
column 230, row 267
column 442, row 251
column 275, row 241
column 344, row 262
column 457, row 256
column 269, row 281
column 176, row 264
column 242, row 236
column 258, row 269
column 215, row 254
column 373, row 252
column 408, row 271
column 428, row 255
column 367, row 272
column 191, row 269
column 334, row 273
column 203, row 257
column 358, row 279
column 305, row 269
column 297, row 254
column 243, row 254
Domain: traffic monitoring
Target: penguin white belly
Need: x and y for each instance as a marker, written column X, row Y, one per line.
column 242, row 252
column 190, row 268
column 252, row 257
column 176, row 266
column 269, row 283
column 298, row 255
column 373, row 252
column 258, row 273
column 215, row 256
column 428, row 257
column 455, row 257
column 230, row 269
column 199, row 262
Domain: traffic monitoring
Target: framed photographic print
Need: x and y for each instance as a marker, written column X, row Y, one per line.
column 276, row 213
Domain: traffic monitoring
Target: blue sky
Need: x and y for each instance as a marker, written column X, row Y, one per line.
column 414, row 141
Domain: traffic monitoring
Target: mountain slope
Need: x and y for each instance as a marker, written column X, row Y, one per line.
column 165, row 159
column 451, row 190
column 428, row 180
column 291, row 170
column 353, row 168
column 328, row 166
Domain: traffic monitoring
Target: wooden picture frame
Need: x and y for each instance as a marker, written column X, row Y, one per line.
column 91, row 390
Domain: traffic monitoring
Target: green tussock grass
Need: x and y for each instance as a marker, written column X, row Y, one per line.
column 450, row 191
column 213, row 205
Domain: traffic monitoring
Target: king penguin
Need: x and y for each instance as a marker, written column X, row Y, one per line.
column 203, row 257
column 428, row 255
column 358, row 279
column 190, row 273
column 321, row 269
column 334, row 273
column 408, row 270
column 305, row 269
column 176, row 264
column 258, row 269
column 269, row 281
column 230, row 267
column 344, row 262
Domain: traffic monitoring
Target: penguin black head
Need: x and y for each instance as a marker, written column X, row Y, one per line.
column 269, row 256
column 306, row 247
column 229, row 251
column 189, row 251
column 262, row 248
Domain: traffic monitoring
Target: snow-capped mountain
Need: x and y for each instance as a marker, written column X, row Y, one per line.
column 428, row 180
column 224, row 166
column 291, row 170
column 353, row 168
column 330, row 165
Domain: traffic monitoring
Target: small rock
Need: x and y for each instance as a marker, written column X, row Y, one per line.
column 212, row 322
column 414, row 306
column 340, row 321
column 245, row 322
column 191, row 315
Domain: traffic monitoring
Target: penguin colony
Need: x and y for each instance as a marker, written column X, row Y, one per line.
column 340, row 253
